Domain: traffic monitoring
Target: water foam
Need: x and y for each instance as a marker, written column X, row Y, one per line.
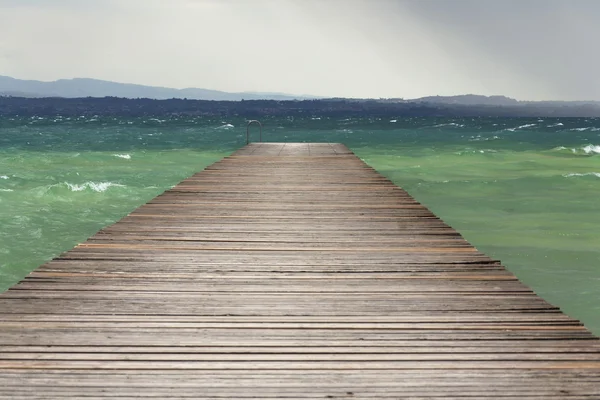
column 521, row 127
column 596, row 174
column 226, row 126
column 449, row 124
column 124, row 156
column 94, row 186
column 491, row 138
column 4, row 177
column 591, row 149
column 6, row 190
column 473, row 151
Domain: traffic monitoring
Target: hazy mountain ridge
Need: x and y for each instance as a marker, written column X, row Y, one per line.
column 82, row 95
column 469, row 100
column 499, row 101
column 86, row 87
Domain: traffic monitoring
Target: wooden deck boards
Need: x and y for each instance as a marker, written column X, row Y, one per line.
column 286, row 271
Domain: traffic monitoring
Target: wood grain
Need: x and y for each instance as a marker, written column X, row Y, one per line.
column 286, row 271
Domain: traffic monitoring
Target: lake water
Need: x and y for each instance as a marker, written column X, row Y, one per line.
column 525, row 191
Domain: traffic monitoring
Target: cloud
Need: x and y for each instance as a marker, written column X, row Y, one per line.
column 530, row 49
column 544, row 47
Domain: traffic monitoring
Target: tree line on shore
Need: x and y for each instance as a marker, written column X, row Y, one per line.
column 124, row 107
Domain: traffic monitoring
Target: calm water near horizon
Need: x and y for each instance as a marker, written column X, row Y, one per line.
column 525, row 191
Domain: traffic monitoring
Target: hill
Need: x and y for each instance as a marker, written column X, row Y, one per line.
column 85, row 87
column 469, row 100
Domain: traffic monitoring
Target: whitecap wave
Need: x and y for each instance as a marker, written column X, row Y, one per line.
column 556, row 125
column 4, row 177
column 94, row 186
column 124, row 156
column 591, row 149
column 393, row 120
column 6, row 190
column 449, row 124
column 581, row 129
column 491, row 138
column 520, row 127
column 473, row 151
column 596, row 174
column 226, row 126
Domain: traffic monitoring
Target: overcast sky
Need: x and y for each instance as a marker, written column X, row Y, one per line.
column 527, row 49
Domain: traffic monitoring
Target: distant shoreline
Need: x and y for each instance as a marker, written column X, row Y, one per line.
column 122, row 107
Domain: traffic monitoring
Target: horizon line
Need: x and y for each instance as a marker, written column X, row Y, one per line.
column 276, row 93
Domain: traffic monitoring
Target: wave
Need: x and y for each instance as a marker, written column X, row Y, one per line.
column 556, row 125
column 474, row 151
column 521, row 127
column 449, row 124
column 596, row 174
column 587, row 150
column 124, row 156
column 5, row 177
column 590, row 149
column 94, row 186
column 480, row 138
column 226, row 126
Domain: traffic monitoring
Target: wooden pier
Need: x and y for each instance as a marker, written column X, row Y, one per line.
column 289, row 271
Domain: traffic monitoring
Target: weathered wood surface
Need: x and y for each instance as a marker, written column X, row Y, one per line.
column 286, row 271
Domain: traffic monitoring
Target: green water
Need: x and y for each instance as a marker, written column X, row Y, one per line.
column 524, row 191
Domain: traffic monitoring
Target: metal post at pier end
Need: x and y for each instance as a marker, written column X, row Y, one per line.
column 248, row 130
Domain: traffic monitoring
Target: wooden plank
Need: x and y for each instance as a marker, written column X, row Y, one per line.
column 286, row 271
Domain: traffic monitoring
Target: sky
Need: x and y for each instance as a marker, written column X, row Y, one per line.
column 526, row 49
